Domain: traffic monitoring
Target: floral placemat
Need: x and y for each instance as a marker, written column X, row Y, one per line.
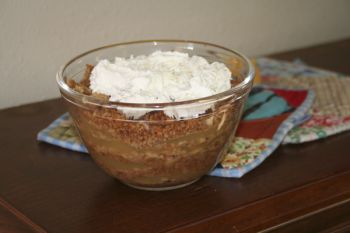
column 280, row 109
column 269, row 114
column 330, row 112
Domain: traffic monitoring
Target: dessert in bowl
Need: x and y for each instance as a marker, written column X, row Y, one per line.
column 162, row 114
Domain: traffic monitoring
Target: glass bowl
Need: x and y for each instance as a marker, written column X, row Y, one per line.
column 155, row 152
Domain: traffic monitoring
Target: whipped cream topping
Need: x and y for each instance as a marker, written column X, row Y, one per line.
column 160, row 77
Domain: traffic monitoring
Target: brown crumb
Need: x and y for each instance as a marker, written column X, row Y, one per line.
column 84, row 85
column 155, row 116
column 86, row 79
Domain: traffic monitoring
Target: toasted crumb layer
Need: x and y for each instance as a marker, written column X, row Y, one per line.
column 154, row 150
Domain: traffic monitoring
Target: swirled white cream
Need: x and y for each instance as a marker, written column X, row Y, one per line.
column 159, row 78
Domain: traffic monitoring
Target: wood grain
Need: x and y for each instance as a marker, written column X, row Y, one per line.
column 12, row 220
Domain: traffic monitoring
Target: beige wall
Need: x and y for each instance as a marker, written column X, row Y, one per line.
column 37, row 36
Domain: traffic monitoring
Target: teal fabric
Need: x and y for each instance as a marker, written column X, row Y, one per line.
column 257, row 98
column 275, row 106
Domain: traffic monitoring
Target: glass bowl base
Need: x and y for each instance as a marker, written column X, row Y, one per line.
column 161, row 188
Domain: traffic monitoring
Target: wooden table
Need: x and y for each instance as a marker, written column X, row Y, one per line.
column 300, row 188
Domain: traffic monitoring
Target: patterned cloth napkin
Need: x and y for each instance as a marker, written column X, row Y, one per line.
column 330, row 112
column 280, row 109
column 268, row 116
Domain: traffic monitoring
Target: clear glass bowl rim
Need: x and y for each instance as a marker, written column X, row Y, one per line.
column 245, row 83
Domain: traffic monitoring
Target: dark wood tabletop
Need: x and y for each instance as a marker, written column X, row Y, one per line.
column 299, row 188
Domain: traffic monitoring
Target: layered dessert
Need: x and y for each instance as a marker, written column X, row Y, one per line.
column 161, row 132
